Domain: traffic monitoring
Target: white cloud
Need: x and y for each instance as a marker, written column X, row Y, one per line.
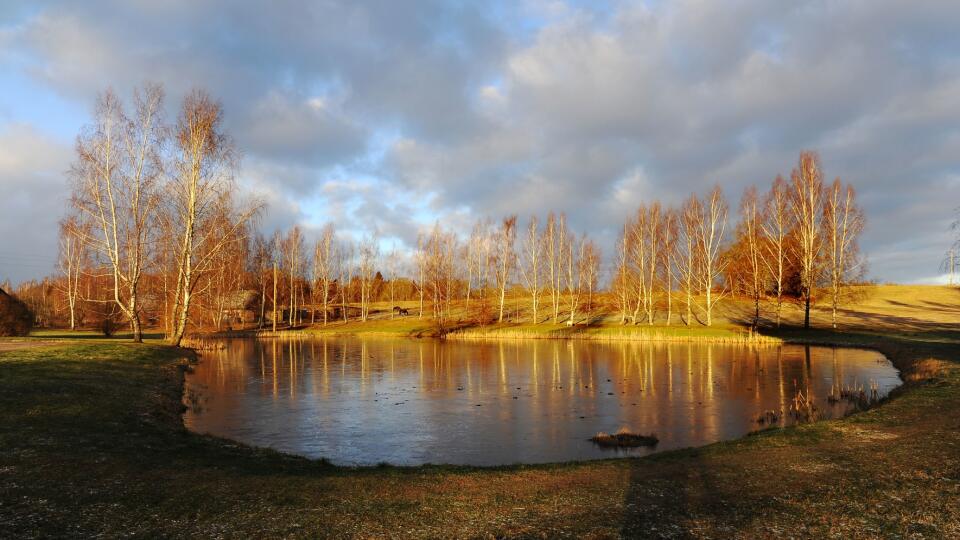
column 32, row 180
column 390, row 114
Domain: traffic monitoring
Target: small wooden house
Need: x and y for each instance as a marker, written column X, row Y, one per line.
column 241, row 307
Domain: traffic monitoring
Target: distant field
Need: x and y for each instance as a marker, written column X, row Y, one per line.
column 898, row 308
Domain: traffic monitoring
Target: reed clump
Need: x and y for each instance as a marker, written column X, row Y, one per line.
column 769, row 417
column 203, row 344
column 624, row 438
column 803, row 409
column 855, row 394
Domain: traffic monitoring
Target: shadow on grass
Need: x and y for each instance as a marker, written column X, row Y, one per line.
column 66, row 334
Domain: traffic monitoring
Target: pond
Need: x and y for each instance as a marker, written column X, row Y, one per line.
column 363, row 401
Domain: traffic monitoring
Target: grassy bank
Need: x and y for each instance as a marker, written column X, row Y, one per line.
column 900, row 309
column 412, row 327
column 93, row 445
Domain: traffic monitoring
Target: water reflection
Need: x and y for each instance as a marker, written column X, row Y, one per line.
column 366, row 401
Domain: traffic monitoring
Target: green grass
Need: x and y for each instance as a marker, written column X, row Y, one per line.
column 62, row 334
column 411, row 326
column 91, row 443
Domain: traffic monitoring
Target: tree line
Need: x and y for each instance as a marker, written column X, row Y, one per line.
column 799, row 236
column 151, row 199
column 155, row 235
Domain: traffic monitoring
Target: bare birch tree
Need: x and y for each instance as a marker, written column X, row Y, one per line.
column 806, row 203
column 345, row 281
column 293, row 262
column 70, row 262
column 637, row 262
column 669, row 250
column 200, row 191
column 621, row 281
column 223, row 280
column 574, row 276
column 324, row 254
column 420, row 258
column 117, row 179
column 439, row 271
column 482, row 242
column 689, row 259
column 776, row 225
column 651, row 236
column 260, row 266
column 369, row 256
column 392, row 266
column 843, row 222
column 712, row 227
column 531, row 266
column 591, row 260
column 504, row 259
column 554, row 242
column 750, row 232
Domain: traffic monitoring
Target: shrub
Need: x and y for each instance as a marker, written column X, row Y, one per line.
column 15, row 316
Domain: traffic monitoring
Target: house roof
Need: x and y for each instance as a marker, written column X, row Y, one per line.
column 241, row 299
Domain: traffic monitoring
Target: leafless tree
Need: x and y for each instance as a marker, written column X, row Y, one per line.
column 482, row 241
column 574, row 275
column 224, row 279
column 806, row 203
column 649, row 236
column 476, row 255
column 70, row 262
column 393, row 265
column 293, row 262
column 369, row 257
column 277, row 242
column 555, row 239
column 324, row 255
column 590, row 262
column 261, row 264
column 843, row 221
column 531, row 266
column 504, row 259
column 776, row 225
column 439, row 270
column 670, row 235
column 200, row 191
column 712, row 227
column 689, row 258
column 622, row 279
column 420, row 258
column 750, row 232
column 346, row 276
column 117, row 177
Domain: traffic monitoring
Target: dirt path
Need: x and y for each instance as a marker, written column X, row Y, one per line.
column 17, row 345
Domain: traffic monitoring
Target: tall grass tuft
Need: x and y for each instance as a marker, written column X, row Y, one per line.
column 624, row 438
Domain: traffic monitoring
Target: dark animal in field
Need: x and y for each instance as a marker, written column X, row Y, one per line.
column 401, row 311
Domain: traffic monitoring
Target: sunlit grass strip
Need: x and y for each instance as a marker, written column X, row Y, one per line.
column 399, row 328
column 617, row 333
column 661, row 334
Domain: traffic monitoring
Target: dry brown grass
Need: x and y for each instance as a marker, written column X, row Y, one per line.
column 92, row 446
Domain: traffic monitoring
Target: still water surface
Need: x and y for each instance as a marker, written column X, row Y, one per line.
column 408, row 402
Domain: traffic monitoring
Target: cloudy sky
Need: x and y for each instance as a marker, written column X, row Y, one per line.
column 391, row 115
